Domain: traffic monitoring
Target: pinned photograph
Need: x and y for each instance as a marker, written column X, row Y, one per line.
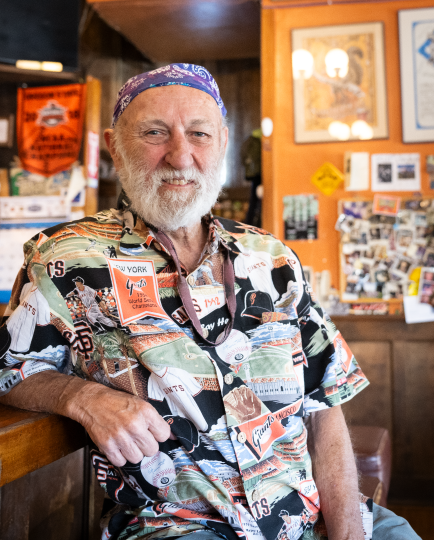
column 357, row 209
column 426, row 286
column 404, row 238
column 428, row 258
column 406, row 172
column 386, row 205
column 375, row 233
column 384, row 173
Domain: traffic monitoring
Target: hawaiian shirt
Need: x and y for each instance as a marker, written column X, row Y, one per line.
column 97, row 298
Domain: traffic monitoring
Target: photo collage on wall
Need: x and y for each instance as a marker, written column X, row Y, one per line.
column 382, row 242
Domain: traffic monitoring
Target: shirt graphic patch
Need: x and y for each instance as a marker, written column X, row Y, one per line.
column 136, row 290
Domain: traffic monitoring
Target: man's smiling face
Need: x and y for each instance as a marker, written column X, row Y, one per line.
column 168, row 147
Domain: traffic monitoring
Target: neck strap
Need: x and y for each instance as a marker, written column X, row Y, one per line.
column 184, row 291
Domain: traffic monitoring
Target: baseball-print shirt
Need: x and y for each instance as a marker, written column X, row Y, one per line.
column 239, row 464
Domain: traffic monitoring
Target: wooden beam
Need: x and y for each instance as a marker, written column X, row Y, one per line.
column 92, row 126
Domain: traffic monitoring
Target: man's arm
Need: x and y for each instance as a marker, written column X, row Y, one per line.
column 335, row 474
column 124, row 427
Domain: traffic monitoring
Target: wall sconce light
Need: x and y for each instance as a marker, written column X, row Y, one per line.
column 336, row 61
column 302, row 64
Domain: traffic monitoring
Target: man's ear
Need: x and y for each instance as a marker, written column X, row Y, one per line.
column 225, row 137
column 108, row 134
column 109, row 140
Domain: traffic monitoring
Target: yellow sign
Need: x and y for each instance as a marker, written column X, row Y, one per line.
column 327, row 178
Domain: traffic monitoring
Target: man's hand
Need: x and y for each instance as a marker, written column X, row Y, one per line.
column 124, row 427
column 335, row 474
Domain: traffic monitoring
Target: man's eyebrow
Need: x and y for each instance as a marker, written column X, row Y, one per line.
column 154, row 122
column 200, row 122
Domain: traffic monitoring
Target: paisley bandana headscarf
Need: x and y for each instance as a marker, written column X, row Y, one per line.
column 181, row 74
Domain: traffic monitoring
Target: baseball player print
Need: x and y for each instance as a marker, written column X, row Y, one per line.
column 33, row 310
column 292, row 526
column 90, row 300
column 256, row 266
column 179, row 388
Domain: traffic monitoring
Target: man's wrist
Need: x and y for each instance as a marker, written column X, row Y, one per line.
column 75, row 398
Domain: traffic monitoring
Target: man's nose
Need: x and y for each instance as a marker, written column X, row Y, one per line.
column 179, row 155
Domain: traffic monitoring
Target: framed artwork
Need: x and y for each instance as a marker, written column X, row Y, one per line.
column 339, row 83
column 416, row 49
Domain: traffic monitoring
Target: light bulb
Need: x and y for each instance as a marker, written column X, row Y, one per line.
column 339, row 130
column 362, row 130
column 336, row 62
column 302, row 64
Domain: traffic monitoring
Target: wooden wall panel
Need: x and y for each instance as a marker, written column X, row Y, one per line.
column 56, row 506
column 14, row 524
column 46, row 504
column 240, row 88
column 413, row 376
column 373, row 406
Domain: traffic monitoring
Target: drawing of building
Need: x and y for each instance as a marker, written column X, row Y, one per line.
column 6, row 383
column 275, row 388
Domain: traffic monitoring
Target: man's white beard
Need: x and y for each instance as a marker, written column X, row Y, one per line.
column 172, row 209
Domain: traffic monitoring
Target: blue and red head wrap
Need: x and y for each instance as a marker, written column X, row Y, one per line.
column 180, row 74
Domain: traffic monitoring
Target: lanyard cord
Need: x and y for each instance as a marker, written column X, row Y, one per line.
column 184, row 291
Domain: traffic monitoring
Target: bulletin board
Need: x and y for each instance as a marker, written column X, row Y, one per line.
column 380, row 250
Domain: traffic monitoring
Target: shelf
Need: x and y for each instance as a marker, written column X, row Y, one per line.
column 14, row 75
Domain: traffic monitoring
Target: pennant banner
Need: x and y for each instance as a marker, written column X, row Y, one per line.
column 136, row 289
column 50, row 127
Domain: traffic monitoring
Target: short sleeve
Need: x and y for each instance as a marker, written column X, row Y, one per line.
column 29, row 341
column 331, row 373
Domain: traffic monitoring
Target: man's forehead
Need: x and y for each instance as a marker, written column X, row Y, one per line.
column 164, row 104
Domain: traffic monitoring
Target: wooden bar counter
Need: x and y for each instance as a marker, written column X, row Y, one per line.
column 29, row 441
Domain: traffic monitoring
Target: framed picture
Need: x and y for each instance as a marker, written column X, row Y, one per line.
column 416, row 50
column 386, row 205
column 339, row 83
column 6, row 131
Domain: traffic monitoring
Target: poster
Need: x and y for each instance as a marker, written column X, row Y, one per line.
column 395, row 172
column 300, row 216
column 50, row 127
column 352, row 95
column 416, row 46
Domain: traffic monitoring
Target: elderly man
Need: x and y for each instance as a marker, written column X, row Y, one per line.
column 199, row 427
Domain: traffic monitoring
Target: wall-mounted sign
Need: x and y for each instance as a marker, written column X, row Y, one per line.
column 50, row 127
column 327, row 178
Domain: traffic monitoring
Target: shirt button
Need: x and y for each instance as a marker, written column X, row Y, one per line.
column 190, row 280
column 255, row 495
column 205, row 332
column 229, row 378
column 242, row 437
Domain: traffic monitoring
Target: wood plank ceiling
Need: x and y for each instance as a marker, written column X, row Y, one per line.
column 186, row 30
